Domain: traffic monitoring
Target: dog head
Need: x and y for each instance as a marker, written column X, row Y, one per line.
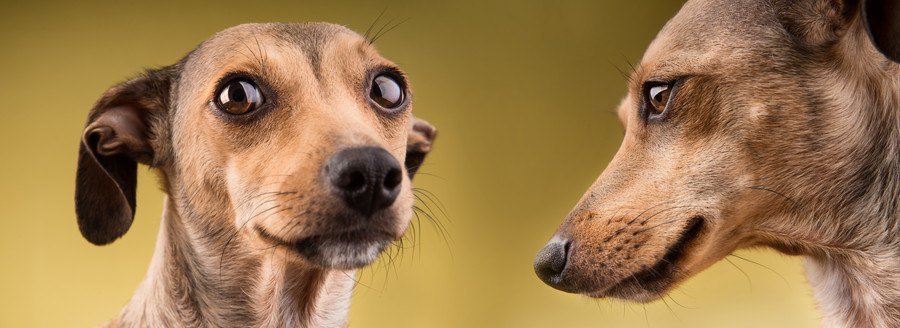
column 740, row 118
column 273, row 135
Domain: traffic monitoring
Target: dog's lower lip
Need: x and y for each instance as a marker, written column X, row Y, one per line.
column 269, row 237
column 362, row 235
column 659, row 273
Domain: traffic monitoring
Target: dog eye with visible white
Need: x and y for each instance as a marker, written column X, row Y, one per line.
column 239, row 97
column 658, row 96
column 386, row 92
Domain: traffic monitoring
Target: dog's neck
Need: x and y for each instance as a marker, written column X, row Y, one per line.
column 853, row 255
column 188, row 286
column 846, row 219
column 854, row 270
column 853, row 287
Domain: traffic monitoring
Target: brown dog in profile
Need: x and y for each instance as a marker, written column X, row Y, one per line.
column 286, row 153
column 752, row 123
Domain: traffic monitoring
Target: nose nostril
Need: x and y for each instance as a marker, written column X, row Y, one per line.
column 393, row 179
column 352, row 181
column 551, row 262
column 560, row 263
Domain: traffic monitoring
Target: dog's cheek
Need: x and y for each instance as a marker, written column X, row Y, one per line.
column 236, row 191
column 403, row 210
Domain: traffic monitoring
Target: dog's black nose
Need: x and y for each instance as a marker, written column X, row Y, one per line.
column 367, row 178
column 551, row 261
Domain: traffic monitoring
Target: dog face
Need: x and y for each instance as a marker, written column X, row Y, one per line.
column 297, row 136
column 731, row 121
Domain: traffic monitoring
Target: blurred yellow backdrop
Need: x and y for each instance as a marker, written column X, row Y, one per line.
column 521, row 92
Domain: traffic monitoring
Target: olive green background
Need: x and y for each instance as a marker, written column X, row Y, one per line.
column 522, row 93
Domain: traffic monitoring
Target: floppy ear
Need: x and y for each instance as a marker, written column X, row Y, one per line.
column 418, row 144
column 116, row 137
column 882, row 20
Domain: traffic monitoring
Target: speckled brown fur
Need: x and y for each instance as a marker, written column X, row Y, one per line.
column 784, row 132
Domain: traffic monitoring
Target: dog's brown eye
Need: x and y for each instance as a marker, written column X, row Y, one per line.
column 659, row 98
column 239, row 97
column 387, row 92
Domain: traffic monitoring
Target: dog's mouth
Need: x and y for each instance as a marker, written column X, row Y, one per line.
column 345, row 250
column 653, row 280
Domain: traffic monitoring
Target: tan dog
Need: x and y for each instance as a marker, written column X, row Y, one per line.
column 752, row 123
column 286, row 151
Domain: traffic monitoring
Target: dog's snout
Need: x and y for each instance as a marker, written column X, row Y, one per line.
column 551, row 261
column 366, row 178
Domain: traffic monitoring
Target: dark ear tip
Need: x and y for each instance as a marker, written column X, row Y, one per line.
column 104, row 196
column 882, row 20
column 102, row 224
column 891, row 51
column 99, row 239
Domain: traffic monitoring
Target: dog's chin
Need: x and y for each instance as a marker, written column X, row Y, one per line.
column 350, row 250
column 343, row 251
column 643, row 291
column 644, row 286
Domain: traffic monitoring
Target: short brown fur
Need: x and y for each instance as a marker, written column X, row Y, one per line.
column 785, row 132
column 239, row 187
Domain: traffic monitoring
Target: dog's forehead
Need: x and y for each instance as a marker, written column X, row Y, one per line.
column 705, row 32
column 310, row 37
column 255, row 42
